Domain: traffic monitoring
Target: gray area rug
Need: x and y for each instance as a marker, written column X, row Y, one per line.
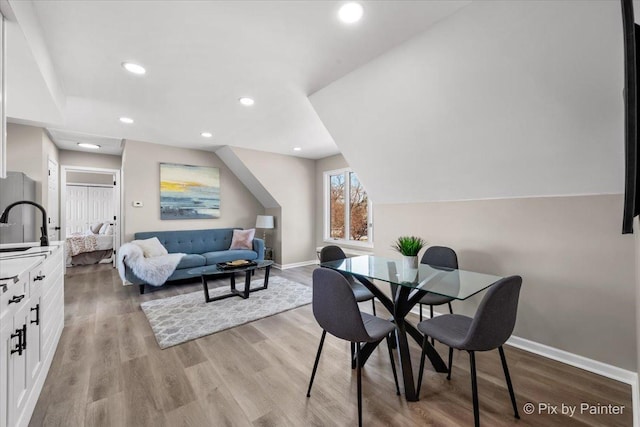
column 186, row 317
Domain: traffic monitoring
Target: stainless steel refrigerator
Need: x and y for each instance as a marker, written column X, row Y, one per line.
column 22, row 225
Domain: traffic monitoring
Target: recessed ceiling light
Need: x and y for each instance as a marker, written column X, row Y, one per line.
column 350, row 13
column 246, row 101
column 87, row 145
column 134, row 68
column 206, row 134
column 297, row 149
column 126, row 120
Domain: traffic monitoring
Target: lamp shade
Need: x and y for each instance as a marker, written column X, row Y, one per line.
column 264, row 221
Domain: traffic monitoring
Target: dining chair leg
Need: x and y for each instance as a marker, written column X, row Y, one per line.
column 353, row 355
column 509, row 385
column 420, row 312
column 359, row 375
column 474, row 389
column 433, row 342
column 373, row 304
column 422, row 357
column 450, row 362
column 315, row 365
column 450, row 308
column 393, row 365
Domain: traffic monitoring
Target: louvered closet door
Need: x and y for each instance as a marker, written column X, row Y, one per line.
column 100, row 204
column 76, row 206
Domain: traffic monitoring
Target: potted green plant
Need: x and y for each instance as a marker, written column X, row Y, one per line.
column 409, row 246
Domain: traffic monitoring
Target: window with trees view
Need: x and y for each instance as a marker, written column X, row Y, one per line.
column 348, row 212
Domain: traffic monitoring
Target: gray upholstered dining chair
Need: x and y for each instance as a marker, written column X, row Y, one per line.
column 489, row 329
column 438, row 256
column 334, row 253
column 336, row 311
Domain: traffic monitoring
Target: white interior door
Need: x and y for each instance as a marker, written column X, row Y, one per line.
column 100, row 206
column 86, row 206
column 52, row 202
column 76, row 209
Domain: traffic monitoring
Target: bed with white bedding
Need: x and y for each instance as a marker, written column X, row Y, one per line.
column 88, row 247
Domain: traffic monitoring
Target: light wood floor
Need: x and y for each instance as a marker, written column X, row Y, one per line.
column 109, row 371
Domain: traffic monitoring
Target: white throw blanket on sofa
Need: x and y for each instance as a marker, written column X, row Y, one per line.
column 154, row 270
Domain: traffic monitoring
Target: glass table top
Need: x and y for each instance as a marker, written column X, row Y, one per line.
column 457, row 284
column 214, row 269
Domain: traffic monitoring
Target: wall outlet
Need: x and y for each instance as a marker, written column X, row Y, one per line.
column 137, row 204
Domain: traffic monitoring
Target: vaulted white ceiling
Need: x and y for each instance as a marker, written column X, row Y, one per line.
column 202, row 56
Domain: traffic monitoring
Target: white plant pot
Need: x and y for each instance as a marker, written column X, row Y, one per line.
column 409, row 261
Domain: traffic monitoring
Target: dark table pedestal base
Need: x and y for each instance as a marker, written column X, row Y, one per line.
column 244, row 294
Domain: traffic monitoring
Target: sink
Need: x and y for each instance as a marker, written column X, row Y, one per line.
column 24, row 248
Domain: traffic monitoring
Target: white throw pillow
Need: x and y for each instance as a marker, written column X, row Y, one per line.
column 109, row 231
column 104, row 228
column 151, row 247
column 95, row 228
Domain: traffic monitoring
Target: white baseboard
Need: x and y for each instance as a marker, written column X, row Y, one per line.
column 590, row 365
column 296, row 264
column 594, row 366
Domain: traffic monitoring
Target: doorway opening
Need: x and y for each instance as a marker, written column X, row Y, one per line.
column 90, row 211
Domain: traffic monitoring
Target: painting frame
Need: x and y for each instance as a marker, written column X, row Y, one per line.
column 189, row 191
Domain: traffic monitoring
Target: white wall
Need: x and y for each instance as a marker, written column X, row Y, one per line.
column 28, row 151
column 502, row 99
column 92, row 160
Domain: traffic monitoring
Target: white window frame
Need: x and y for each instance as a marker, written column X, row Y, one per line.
column 327, row 215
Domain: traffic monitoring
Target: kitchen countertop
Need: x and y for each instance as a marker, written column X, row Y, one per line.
column 12, row 268
column 13, row 264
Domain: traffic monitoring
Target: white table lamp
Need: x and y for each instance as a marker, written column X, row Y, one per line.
column 266, row 223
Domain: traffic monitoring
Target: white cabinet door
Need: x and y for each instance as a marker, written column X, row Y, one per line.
column 18, row 375
column 6, row 343
column 34, row 340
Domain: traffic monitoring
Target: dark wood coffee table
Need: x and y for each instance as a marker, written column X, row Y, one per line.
column 210, row 271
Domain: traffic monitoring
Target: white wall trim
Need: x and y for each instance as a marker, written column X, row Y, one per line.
column 296, row 264
column 577, row 361
column 590, row 365
column 480, row 199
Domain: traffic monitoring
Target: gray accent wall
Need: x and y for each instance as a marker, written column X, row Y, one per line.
column 291, row 182
column 141, row 182
column 578, row 271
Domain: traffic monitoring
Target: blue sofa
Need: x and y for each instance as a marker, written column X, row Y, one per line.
column 203, row 247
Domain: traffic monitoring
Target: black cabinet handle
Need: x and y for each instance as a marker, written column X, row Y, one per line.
column 40, row 277
column 18, row 349
column 16, row 299
column 37, row 310
column 24, row 337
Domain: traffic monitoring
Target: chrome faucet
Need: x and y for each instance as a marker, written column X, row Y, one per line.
column 44, row 238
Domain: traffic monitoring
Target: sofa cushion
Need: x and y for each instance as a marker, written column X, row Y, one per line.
column 191, row 261
column 224, row 256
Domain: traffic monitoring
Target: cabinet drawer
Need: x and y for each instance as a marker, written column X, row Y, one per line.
column 16, row 296
column 52, row 262
column 52, row 282
column 36, row 280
